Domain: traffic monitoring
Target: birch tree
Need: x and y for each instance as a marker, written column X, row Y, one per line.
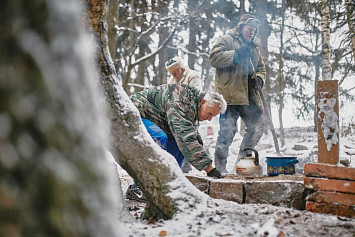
column 280, row 75
column 350, row 16
column 325, row 23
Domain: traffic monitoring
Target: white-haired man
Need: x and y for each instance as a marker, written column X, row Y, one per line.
column 182, row 74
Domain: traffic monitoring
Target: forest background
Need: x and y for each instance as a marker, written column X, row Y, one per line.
column 143, row 35
column 54, row 131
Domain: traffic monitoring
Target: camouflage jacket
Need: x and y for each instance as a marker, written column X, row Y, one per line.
column 174, row 108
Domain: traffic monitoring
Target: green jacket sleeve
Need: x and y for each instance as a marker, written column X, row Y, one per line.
column 221, row 56
column 185, row 134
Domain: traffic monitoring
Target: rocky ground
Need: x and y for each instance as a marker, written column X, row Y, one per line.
column 231, row 219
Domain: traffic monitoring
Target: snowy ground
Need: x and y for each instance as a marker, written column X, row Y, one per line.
column 224, row 218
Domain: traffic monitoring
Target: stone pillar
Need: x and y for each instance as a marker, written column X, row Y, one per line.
column 328, row 122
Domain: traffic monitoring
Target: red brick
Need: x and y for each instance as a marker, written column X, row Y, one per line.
column 335, row 209
column 332, row 185
column 231, row 191
column 332, row 197
column 329, row 171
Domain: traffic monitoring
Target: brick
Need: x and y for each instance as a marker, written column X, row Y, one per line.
column 285, row 193
column 227, row 190
column 335, row 209
column 199, row 182
column 329, row 171
column 332, row 197
column 331, row 185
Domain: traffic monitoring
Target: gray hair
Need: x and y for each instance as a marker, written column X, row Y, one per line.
column 213, row 97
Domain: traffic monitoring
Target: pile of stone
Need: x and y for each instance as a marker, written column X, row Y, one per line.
column 282, row 190
column 330, row 189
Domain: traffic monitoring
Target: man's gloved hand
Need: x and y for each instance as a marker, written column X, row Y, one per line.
column 260, row 82
column 244, row 52
column 214, row 173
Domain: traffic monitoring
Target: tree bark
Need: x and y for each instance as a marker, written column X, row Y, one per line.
column 317, row 65
column 350, row 17
column 54, row 178
column 143, row 46
column 280, row 76
column 163, row 55
column 191, row 47
column 264, row 32
column 326, row 65
column 112, row 22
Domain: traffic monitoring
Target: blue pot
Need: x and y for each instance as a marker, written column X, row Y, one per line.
column 281, row 165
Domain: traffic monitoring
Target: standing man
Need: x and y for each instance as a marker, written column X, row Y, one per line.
column 171, row 114
column 182, row 74
column 231, row 56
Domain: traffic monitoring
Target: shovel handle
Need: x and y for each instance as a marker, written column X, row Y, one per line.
column 266, row 108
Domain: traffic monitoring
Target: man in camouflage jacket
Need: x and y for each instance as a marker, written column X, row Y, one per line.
column 231, row 56
column 176, row 110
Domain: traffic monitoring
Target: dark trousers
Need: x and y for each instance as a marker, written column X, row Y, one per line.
column 252, row 117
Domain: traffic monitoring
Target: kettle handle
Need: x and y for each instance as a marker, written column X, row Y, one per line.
column 256, row 161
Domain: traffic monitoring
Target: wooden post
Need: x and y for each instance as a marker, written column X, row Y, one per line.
column 328, row 122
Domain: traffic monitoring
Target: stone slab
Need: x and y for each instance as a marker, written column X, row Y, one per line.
column 329, row 171
column 332, row 197
column 331, row 185
column 286, row 191
column 334, row 209
column 227, row 190
column 199, row 182
column 283, row 193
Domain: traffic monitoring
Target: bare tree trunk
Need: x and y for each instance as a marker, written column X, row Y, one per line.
column 326, row 65
column 131, row 41
column 163, row 55
column 262, row 40
column 143, row 46
column 153, row 169
column 191, row 47
column 242, row 7
column 112, row 22
column 206, row 76
column 350, row 17
column 317, row 65
column 280, row 76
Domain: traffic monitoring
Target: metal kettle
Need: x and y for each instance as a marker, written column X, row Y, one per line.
column 249, row 166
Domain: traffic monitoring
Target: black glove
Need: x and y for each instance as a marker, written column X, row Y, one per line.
column 214, row 173
column 199, row 139
column 244, row 52
column 253, row 83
